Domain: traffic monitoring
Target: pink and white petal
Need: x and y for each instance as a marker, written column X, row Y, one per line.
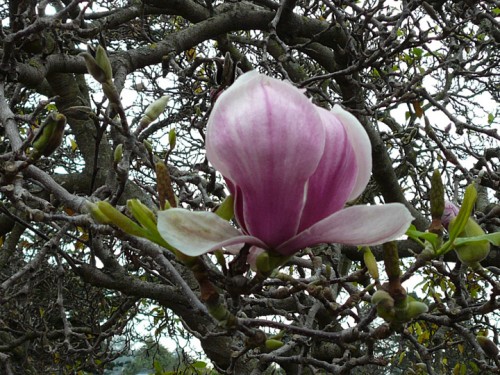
column 361, row 143
column 331, row 184
column 197, row 233
column 267, row 138
column 356, row 225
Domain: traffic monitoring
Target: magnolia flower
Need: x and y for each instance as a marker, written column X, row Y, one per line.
column 291, row 167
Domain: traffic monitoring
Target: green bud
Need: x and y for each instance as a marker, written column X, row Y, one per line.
column 471, row 254
column 370, row 262
column 172, row 139
column 93, row 68
column 118, row 154
column 278, row 336
column 218, row 311
column 226, row 209
column 437, row 195
column 97, row 214
column 142, row 214
column 120, row 220
column 272, row 344
column 154, row 110
column 386, row 312
column 385, row 305
column 102, row 60
column 414, row 309
column 380, row 296
column 49, row 136
column 262, row 263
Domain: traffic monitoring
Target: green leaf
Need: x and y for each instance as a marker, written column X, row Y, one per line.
column 458, row 224
column 417, row 52
column 464, row 213
column 491, row 117
column 415, row 234
column 493, row 238
column 199, row 364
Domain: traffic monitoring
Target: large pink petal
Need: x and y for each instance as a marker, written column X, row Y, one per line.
column 356, row 225
column 267, row 138
column 332, row 183
column 197, row 233
column 362, row 146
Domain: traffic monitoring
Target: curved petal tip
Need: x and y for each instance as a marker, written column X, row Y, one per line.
column 197, row 233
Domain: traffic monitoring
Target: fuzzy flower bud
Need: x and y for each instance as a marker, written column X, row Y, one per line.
column 102, row 60
column 172, row 139
column 92, row 67
column 154, row 110
column 118, row 154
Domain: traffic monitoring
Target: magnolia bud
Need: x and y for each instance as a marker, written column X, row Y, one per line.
column 172, row 139
column 414, row 309
column 385, row 305
column 142, row 214
column 370, row 263
column 273, row 344
column 118, row 154
column 97, row 214
column 449, row 213
column 49, row 136
column 120, row 220
column 93, row 68
column 154, row 110
column 164, row 186
column 102, row 60
column 472, row 254
column 262, row 263
column 437, row 195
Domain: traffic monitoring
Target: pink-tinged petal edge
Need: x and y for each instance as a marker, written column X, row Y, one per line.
column 356, row 225
column 267, row 138
column 197, row 233
column 359, row 140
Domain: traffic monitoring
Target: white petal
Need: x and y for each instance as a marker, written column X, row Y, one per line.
column 197, row 233
column 356, row 225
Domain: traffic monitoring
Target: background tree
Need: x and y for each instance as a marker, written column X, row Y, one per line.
column 422, row 77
